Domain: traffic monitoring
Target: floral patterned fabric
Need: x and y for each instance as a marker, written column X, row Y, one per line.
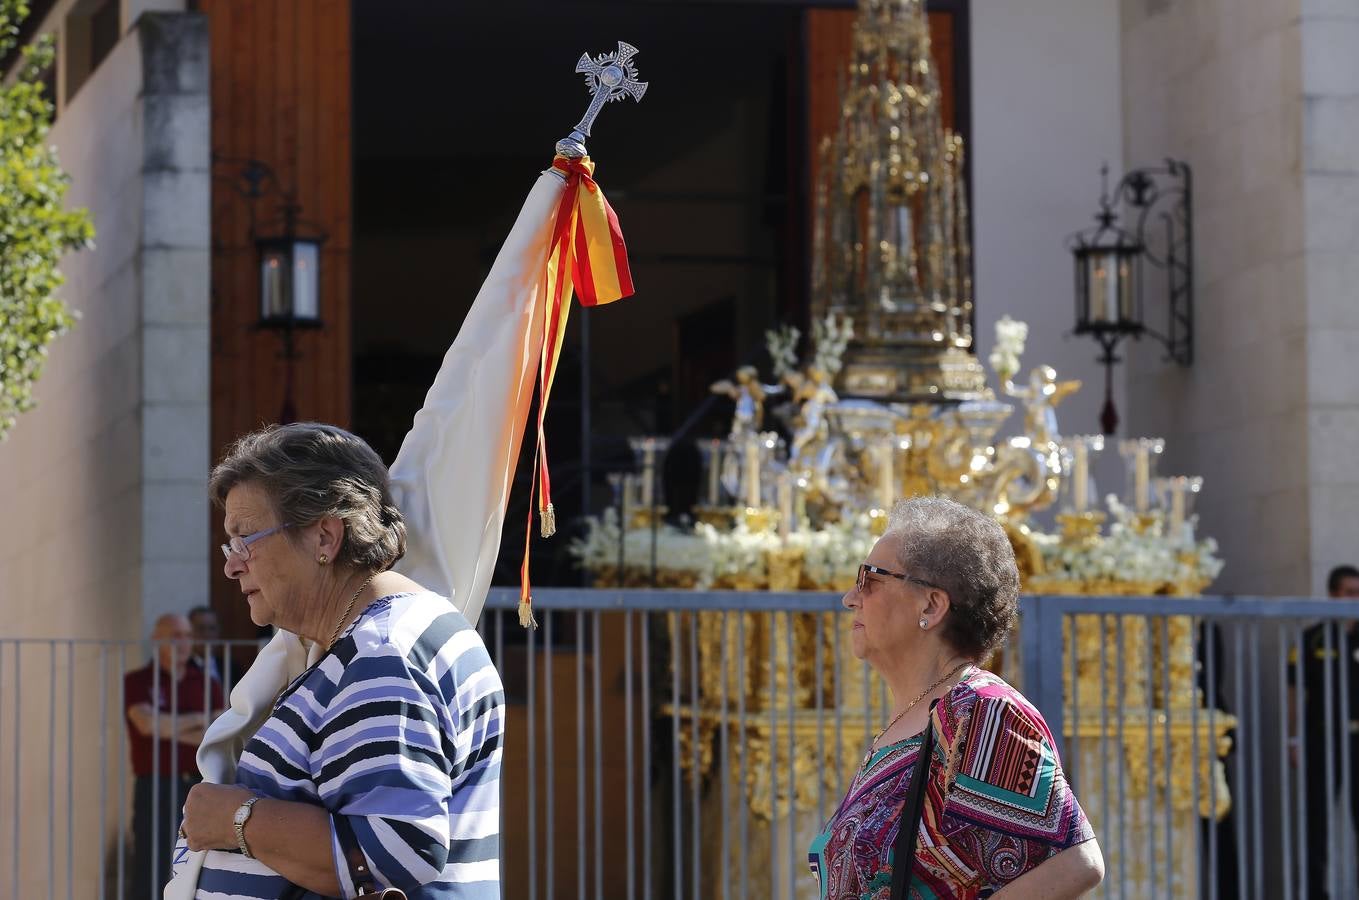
column 997, row 803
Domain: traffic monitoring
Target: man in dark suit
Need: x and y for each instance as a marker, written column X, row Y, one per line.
column 1330, row 652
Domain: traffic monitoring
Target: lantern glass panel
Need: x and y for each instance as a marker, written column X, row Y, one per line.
column 1127, row 288
column 306, row 305
column 1107, row 277
column 275, row 302
column 1101, row 282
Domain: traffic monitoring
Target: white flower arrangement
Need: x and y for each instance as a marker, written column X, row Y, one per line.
column 712, row 556
column 1130, row 554
column 708, row 556
column 1202, row 566
column 1011, row 336
column 599, row 545
column 679, row 551
column 738, row 553
column 676, row 550
column 832, row 555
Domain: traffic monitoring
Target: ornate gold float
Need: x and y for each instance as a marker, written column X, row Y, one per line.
column 889, row 402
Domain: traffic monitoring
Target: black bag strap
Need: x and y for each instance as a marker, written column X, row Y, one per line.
column 903, row 851
column 359, row 871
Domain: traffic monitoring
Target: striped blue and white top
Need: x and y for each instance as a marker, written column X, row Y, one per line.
column 398, row 729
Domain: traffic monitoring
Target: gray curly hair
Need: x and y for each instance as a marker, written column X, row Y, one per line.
column 967, row 554
column 311, row 471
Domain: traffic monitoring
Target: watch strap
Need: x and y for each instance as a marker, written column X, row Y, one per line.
column 243, row 816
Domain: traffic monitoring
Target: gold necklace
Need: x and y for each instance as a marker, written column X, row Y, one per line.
column 910, row 706
column 349, row 609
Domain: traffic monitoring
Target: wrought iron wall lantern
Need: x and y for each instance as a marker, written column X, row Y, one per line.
column 290, row 274
column 1109, row 261
column 288, row 253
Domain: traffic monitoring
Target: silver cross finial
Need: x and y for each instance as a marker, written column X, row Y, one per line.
column 609, row 76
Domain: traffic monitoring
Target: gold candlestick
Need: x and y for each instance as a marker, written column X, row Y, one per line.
column 758, row 519
column 1081, row 529
column 752, row 467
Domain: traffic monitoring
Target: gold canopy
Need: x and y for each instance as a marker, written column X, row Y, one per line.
column 890, row 243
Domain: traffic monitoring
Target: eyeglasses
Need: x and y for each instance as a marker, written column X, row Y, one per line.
column 240, row 546
column 865, row 570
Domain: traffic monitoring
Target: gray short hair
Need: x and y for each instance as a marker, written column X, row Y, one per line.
column 968, row 554
column 311, row 471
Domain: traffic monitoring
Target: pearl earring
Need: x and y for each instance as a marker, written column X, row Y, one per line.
column 924, row 625
column 323, row 560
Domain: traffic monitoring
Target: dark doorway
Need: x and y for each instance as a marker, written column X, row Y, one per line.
column 457, row 108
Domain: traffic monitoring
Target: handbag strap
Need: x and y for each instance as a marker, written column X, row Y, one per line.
column 359, row 871
column 912, row 811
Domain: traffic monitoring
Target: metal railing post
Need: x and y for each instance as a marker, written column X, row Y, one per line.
column 1043, row 653
column 1155, row 833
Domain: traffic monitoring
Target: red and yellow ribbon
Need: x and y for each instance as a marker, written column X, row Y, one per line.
column 587, row 254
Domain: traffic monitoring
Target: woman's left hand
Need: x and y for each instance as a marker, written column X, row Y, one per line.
column 210, row 813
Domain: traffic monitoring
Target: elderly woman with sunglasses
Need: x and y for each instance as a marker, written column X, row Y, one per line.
column 380, row 764
column 996, row 817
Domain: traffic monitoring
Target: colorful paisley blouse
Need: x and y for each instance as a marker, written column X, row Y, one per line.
column 997, row 803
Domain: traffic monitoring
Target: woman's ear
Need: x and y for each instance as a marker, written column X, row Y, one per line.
column 330, row 535
column 936, row 604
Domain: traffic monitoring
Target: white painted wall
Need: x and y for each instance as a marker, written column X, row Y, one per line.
column 106, row 519
column 71, row 469
column 1046, row 97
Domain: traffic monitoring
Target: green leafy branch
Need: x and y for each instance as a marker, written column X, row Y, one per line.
column 36, row 230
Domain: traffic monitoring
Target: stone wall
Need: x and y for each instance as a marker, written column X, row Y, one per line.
column 175, row 306
column 1259, row 98
column 1330, row 267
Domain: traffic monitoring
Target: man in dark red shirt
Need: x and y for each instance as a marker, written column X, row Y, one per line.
column 174, row 701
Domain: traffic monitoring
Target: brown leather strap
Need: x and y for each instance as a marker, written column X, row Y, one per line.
column 359, row 871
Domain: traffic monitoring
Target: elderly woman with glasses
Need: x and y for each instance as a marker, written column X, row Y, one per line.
column 380, row 764
column 961, row 795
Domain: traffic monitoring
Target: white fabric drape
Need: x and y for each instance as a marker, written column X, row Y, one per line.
column 451, row 478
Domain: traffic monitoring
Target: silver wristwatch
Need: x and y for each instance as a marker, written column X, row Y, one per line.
column 242, row 816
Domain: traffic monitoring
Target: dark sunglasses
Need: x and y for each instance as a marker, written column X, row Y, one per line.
column 865, row 570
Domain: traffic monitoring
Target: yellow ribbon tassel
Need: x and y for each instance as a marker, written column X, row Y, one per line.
column 586, row 257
